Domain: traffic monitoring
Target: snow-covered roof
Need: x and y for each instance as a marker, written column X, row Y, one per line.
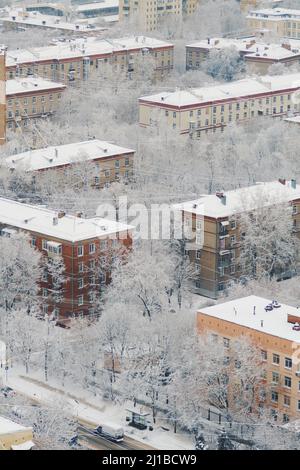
column 97, row 5
column 275, row 13
column 272, row 51
column 225, row 91
column 40, row 220
column 27, row 445
column 7, row 426
column 82, row 47
column 30, row 85
column 242, row 45
column 51, row 157
column 241, row 312
column 241, row 199
column 35, row 18
column 295, row 119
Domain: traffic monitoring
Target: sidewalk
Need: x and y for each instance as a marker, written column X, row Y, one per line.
column 85, row 410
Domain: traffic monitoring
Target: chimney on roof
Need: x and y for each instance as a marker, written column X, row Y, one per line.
column 61, row 214
column 55, row 220
column 56, row 152
column 79, row 214
column 286, row 46
column 261, row 323
column 222, row 197
column 293, row 183
column 208, row 40
column 282, row 181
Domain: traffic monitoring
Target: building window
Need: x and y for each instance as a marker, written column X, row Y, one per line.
column 92, row 264
column 264, row 355
column 298, row 405
column 286, row 400
column 92, row 248
column 33, row 241
column 80, row 300
column 103, row 244
column 45, row 292
column 80, row 267
column 276, row 359
column 80, row 250
column 226, row 342
column 80, row 283
column 288, row 363
column 287, row 382
column 198, row 254
column 44, row 244
column 274, row 397
column 275, row 378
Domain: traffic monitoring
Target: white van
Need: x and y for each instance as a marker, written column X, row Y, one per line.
column 113, row 432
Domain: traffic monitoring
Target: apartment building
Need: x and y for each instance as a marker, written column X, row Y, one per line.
column 214, row 223
column 247, row 5
column 149, row 13
column 258, row 56
column 213, row 107
column 76, row 60
column 14, row 436
column 275, row 332
column 19, row 19
column 29, row 99
column 87, row 247
column 2, row 96
column 103, row 162
column 282, row 22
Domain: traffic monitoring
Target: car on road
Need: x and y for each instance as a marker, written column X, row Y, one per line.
column 111, row 432
column 7, row 392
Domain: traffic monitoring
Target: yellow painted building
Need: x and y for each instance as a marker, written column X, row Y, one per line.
column 213, row 107
column 94, row 162
column 2, row 98
column 149, row 13
column 13, row 436
column 275, row 333
column 281, row 22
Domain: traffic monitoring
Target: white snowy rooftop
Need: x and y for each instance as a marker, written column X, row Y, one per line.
column 82, row 47
column 242, row 45
column 251, row 47
column 272, row 51
column 295, row 119
column 242, row 199
column 7, row 426
column 35, row 18
column 275, row 13
column 97, row 5
column 241, row 312
column 71, row 228
column 54, row 156
column 30, row 85
column 223, row 92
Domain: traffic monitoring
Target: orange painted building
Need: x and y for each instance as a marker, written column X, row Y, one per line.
column 275, row 332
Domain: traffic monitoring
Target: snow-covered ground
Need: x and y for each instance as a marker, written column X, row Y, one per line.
column 96, row 410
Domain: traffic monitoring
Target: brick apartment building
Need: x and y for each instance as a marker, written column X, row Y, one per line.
column 275, row 332
column 214, row 222
column 209, row 108
column 81, row 243
column 105, row 162
column 70, row 61
column 29, row 99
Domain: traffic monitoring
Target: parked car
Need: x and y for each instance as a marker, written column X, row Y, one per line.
column 8, row 392
column 111, row 431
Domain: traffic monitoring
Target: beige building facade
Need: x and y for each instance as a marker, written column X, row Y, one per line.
column 205, row 109
column 79, row 59
column 281, row 22
column 277, row 336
